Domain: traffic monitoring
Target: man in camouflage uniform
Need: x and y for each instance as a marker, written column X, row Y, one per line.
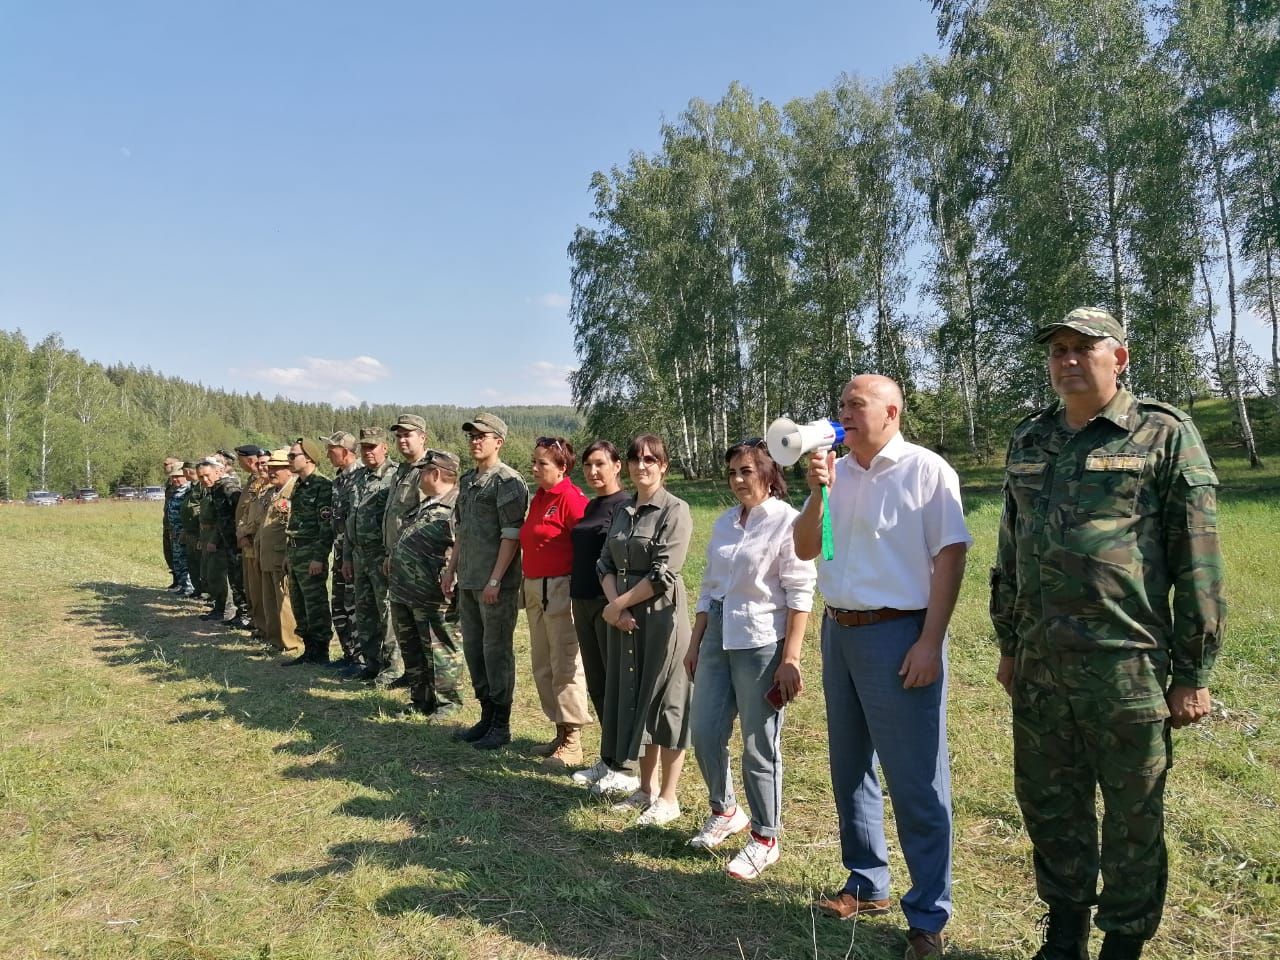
column 213, row 567
column 425, row 623
column 191, row 532
column 176, row 491
column 492, row 501
column 249, row 516
column 1109, row 507
column 270, row 546
column 364, row 556
column 402, row 496
column 341, row 450
column 225, row 494
column 247, row 455
column 167, row 541
column 309, row 536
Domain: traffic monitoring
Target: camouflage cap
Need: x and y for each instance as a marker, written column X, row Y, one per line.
column 372, row 436
column 1091, row 321
column 340, row 439
column 278, row 458
column 188, row 464
column 313, row 450
column 409, row 421
column 444, row 459
column 176, row 471
column 486, row 423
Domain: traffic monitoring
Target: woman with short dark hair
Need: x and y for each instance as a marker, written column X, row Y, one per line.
column 646, row 689
column 745, row 654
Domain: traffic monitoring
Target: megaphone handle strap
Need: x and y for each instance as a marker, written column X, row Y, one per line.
column 828, row 541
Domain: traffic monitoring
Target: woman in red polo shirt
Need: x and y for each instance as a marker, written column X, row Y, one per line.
column 547, row 560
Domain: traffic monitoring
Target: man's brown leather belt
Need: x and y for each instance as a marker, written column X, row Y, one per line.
column 865, row 618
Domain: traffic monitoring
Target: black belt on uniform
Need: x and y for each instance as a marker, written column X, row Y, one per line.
column 865, row 618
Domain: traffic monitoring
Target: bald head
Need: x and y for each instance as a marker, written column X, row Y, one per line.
column 870, row 407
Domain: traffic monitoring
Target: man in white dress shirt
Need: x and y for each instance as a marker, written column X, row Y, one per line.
column 900, row 543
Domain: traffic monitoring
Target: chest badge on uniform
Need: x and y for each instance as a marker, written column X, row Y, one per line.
column 326, row 513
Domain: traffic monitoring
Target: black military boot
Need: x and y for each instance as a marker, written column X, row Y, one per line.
column 1066, row 934
column 477, row 730
column 1121, row 946
column 499, row 732
column 216, row 614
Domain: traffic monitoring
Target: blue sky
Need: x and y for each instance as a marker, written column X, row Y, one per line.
column 341, row 201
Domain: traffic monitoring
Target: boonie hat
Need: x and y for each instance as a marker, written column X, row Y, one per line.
column 486, row 423
column 371, row 436
column 340, row 439
column 409, row 421
column 1091, row 321
column 278, row 458
column 176, row 471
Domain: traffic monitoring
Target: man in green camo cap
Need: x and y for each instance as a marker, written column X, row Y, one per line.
column 1107, row 602
column 309, row 541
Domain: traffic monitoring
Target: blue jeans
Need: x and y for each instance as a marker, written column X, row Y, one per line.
column 870, row 715
column 729, row 684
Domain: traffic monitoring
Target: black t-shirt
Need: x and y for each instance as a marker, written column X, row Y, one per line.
column 588, row 537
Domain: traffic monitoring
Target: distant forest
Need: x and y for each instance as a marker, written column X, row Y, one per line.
column 67, row 423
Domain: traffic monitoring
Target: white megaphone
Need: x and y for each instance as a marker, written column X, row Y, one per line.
column 789, row 441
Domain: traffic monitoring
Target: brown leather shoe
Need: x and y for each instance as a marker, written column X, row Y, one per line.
column 845, row 906
column 922, row 944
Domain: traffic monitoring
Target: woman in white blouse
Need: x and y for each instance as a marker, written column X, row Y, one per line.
column 751, row 614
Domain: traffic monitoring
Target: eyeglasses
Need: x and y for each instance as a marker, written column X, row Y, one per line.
column 648, row 459
column 477, row 437
column 294, row 455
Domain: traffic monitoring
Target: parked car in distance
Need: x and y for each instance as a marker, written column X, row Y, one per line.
column 86, row 495
column 151, row 493
column 127, row 493
column 42, row 498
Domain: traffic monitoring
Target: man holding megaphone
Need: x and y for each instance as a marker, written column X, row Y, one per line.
column 890, row 583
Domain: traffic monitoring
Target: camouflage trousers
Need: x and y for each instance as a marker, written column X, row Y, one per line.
column 342, row 607
column 373, row 626
column 169, row 541
column 223, row 574
column 177, row 556
column 428, row 639
column 1084, row 723
column 195, row 560
column 488, row 639
column 309, row 597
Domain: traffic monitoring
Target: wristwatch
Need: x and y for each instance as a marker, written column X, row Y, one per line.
column 493, row 583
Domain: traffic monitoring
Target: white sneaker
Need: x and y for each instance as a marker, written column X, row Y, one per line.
column 659, row 813
column 593, row 774
column 614, row 782
column 753, row 859
column 716, row 829
column 638, row 800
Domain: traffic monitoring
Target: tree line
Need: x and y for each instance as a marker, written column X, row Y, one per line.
column 67, row 423
column 1063, row 153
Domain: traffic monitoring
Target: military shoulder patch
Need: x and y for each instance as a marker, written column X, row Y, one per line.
column 1125, row 462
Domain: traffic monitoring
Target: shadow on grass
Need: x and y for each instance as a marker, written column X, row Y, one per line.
column 493, row 839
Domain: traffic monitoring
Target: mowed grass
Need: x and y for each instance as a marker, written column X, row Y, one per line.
column 166, row 791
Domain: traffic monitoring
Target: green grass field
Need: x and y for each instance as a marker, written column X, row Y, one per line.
column 167, row 792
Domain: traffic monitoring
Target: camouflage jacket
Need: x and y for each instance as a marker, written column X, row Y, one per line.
column 402, row 496
column 191, row 509
column 422, row 551
column 225, row 495
column 491, row 508
column 1099, row 527
column 344, row 488
column 176, row 498
column 309, row 531
column 368, row 507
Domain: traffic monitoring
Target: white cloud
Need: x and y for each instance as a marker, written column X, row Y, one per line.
column 539, row 383
column 126, row 152
column 320, row 378
column 552, row 301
